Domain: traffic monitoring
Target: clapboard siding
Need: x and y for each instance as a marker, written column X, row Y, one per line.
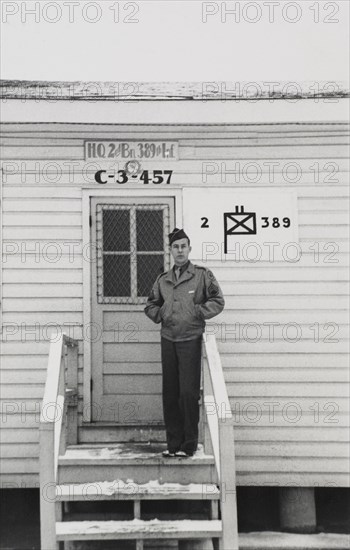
column 293, row 287
column 39, row 290
column 80, row 168
column 187, row 151
column 44, row 205
column 299, row 288
column 44, row 171
column 215, row 173
column 85, row 130
column 221, row 176
column 46, row 210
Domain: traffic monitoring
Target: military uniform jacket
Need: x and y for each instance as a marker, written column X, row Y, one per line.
column 183, row 305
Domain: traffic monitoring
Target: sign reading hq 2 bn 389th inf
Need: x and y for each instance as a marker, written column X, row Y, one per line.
column 236, row 224
column 131, row 150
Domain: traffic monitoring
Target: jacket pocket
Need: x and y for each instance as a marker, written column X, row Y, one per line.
column 163, row 315
column 192, row 308
column 198, row 313
column 193, row 317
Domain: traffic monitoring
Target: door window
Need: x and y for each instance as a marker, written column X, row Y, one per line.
column 131, row 250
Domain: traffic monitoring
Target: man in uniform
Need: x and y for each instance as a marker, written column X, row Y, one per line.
column 182, row 299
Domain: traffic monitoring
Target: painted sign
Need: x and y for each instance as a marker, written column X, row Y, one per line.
column 121, row 177
column 131, row 150
column 236, row 224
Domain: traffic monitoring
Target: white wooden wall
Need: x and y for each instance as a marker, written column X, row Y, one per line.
column 260, row 376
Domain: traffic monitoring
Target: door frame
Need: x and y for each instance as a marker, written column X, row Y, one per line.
column 87, row 194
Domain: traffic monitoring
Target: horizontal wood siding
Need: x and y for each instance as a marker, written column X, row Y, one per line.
column 289, row 399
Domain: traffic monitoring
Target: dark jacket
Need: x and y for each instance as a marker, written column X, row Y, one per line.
column 182, row 306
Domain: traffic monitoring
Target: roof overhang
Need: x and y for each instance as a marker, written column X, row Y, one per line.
column 173, row 103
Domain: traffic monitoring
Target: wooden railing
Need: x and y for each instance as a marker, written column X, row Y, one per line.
column 58, row 428
column 219, row 438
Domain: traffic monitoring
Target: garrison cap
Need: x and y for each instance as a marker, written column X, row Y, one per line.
column 177, row 234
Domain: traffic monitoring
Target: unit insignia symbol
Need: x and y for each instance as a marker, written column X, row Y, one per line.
column 239, row 223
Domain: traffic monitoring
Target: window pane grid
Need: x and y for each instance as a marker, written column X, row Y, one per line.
column 149, row 226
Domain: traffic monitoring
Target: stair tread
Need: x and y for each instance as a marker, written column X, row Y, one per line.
column 137, row 425
column 136, row 528
column 130, row 490
column 105, row 432
column 127, row 453
column 292, row 541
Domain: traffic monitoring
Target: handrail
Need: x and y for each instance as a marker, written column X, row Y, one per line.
column 219, row 424
column 58, row 426
column 217, row 378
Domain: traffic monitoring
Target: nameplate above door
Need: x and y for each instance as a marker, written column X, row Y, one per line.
column 131, row 150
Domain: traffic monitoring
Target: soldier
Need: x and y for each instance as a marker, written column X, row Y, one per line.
column 182, row 299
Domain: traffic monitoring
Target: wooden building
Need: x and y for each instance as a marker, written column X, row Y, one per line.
column 83, row 168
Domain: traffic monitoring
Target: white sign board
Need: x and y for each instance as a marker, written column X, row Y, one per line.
column 235, row 224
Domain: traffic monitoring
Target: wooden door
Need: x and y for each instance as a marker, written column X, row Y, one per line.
column 131, row 241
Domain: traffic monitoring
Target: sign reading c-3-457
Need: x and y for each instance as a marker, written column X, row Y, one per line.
column 131, row 150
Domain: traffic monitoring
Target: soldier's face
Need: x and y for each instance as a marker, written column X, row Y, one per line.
column 180, row 251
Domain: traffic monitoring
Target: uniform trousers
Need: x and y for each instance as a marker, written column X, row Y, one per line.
column 181, row 365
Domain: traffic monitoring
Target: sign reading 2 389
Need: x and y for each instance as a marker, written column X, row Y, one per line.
column 147, row 176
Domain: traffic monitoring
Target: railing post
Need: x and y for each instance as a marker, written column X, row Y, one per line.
column 201, row 409
column 47, row 487
column 221, row 432
column 207, row 385
column 72, row 394
column 228, row 487
column 207, row 390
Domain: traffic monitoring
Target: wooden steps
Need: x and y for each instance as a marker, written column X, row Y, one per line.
column 124, row 453
column 120, row 490
column 129, row 471
column 140, row 462
column 105, row 432
column 137, row 529
column 195, row 529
